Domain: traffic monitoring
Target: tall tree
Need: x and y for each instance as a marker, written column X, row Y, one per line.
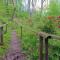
column 29, row 7
column 7, row 9
column 14, row 10
column 42, row 2
column 33, row 4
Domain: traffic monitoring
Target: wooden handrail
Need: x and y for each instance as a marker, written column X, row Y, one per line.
column 3, row 25
column 44, row 37
column 2, row 32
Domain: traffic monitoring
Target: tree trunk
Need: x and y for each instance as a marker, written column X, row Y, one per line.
column 29, row 7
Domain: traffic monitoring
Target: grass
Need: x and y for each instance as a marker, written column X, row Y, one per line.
column 30, row 40
column 30, row 27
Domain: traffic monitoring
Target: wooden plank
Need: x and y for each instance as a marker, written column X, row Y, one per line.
column 55, row 37
column 45, row 35
column 3, row 25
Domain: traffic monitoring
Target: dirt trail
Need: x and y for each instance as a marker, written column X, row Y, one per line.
column 14, row 52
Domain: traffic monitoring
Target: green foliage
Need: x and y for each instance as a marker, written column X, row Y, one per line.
column 29, row 40
column 49, row 27
column 54, row 9
column 22, row 15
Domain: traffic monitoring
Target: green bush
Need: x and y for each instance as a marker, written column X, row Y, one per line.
column 49, row 27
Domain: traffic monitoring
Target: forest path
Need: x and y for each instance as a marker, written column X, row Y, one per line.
column 14, row 51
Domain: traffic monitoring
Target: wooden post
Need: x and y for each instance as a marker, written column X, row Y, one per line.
column 21, row 32
column 1, row 35
column 45, row 37
column 46, row 49
column 41, row 48
column 59, row 57
column 6, row 27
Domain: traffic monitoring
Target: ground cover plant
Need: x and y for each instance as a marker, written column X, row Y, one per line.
column 31, row 24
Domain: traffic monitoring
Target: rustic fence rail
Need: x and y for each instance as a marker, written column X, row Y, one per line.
column 44, row 38
column 2, row 32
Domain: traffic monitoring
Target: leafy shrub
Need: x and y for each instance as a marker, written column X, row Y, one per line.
column 49, row 27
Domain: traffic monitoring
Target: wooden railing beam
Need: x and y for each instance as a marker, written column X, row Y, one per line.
column 45, row 36
column 2, row 32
